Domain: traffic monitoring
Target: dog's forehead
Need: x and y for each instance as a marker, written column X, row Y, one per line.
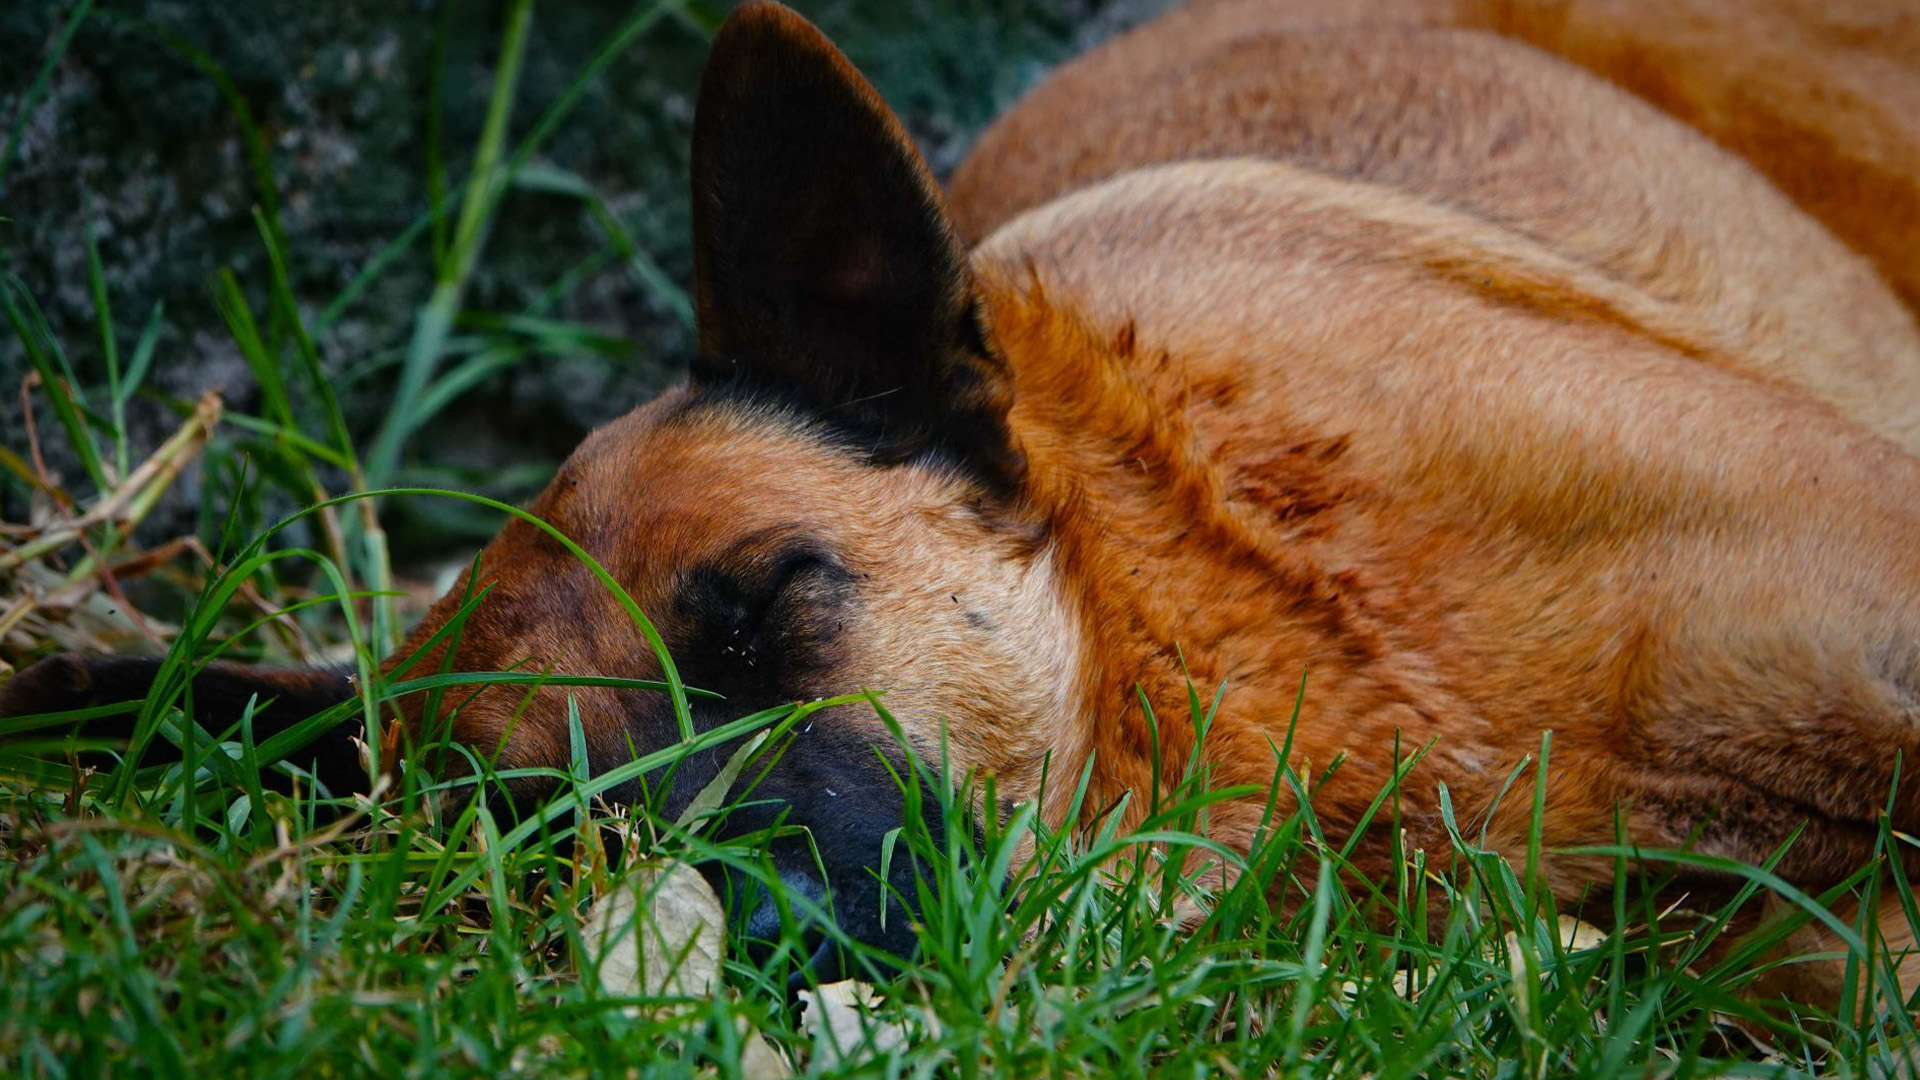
column 680, row 481
column 687, row 484
column 683, row 430
column 659, row 493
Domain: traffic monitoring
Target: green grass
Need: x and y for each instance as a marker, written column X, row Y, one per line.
column 186, row 921
column 195, row 923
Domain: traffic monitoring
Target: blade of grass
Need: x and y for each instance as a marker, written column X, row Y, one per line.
column 136, row 373
column 644, row 17
column 61, row 392
column 375, row 566
column 469, row 237
column 109, row 350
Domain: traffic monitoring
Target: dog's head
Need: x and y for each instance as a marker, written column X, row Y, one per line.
column 833, row 502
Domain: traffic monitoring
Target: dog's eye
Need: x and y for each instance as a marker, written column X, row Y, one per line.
column 786, row 578
column 734, row 607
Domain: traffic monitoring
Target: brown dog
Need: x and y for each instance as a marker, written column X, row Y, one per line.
column 1377, row 346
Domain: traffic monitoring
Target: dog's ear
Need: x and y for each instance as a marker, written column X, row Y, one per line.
column 825, row 267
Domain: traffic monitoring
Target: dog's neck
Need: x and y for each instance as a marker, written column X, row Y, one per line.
column 1169, row 564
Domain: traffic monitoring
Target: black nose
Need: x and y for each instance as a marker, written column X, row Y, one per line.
column 823, row 812
column 839, row 921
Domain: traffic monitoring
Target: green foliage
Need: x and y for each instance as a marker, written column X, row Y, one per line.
column 179, row 919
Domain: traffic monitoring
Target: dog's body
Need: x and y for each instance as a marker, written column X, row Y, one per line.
column 1487, row 395
column 1301, row 341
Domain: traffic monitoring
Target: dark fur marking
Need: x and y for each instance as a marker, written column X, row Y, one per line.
column 824, row 262
column 219, row 695
column 849, row 431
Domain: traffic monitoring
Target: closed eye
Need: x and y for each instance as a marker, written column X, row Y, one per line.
column 792, row 570
column 733, row 608
column 761, row 625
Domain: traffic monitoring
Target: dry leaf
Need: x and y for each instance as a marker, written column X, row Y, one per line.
column 657, row 934
column 758, row 1059
column 839, row 1018
column 1573, row 934
column 1576, row 935
column 709, row 798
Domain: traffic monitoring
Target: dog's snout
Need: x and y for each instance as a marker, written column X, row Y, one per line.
column 802, row 889
column 791, row 907
column 831, row 881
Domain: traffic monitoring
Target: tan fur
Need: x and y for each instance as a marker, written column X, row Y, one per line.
column 1821, row 96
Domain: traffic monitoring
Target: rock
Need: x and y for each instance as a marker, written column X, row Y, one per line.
column 132, row 140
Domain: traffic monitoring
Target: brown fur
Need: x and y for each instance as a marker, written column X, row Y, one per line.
column 1552, row 523
column 1525, row 391
column 1820, row 96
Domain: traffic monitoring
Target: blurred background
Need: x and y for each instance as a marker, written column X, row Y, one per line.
column 159, row 159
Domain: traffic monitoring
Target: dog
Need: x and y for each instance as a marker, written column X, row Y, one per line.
column 1397, row 361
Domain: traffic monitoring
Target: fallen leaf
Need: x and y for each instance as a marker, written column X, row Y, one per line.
column 1576, row 934
column 839, row 1018
column 656, row 934
column 709, row 798
column 758, row 1059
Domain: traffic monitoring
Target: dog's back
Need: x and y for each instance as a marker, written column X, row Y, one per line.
column 1614, row 208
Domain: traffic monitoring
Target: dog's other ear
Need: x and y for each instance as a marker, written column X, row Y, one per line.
column 825, row 267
